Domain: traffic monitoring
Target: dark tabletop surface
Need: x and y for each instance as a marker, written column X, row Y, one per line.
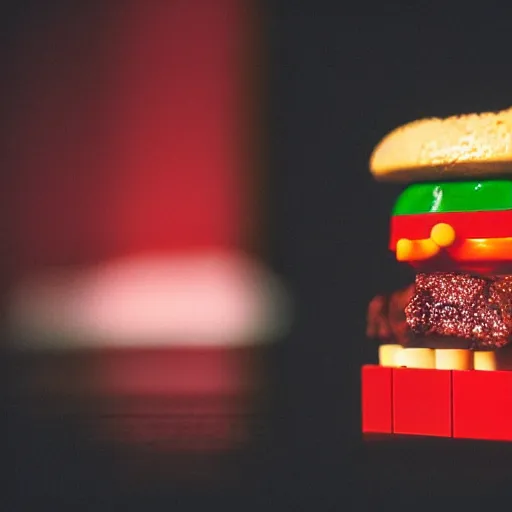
column 59, row 450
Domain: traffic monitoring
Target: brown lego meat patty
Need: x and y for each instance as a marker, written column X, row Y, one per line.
column 464, row 306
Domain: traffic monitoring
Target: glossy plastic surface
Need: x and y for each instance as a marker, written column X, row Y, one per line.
column 492, row 224
column 455, row 196
column 482, row 405
column 469, row 242
column 465, row 404
column 376, row 399
column 422, row 402
column 479, row 249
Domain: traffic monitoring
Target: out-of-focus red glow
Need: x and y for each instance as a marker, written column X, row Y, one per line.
column 199, row 399
column 129, row 133
column 127, row 169
column 180, row 372
column 180, row 119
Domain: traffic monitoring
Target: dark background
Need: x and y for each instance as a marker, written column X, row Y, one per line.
column 340, row 82
column 337, row 83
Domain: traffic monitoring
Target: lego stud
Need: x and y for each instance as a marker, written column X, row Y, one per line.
column 404, row 248
column 416, row 358
column 454, row 359
column 443, row 234
column 484, row 360
column 388, row 354
column 416, row 250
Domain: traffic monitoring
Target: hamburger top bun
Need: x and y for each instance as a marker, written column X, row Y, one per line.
column 456, row 147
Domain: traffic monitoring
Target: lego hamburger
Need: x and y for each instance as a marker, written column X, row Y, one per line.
column 453, row 224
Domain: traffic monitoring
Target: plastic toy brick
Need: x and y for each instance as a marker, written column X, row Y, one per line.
column 484, row 224
column 482, row 405
column 422, row 402
column 460, row 225
column 376, row 399
column 485, row 249
column 471, row 250
column 455, row 196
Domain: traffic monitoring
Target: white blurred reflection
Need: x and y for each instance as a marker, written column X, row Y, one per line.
column 190, row 300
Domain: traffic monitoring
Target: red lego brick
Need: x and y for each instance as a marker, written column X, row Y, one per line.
column 484, row 224
column 376, row 399
column 482, row 405
column 422, row 403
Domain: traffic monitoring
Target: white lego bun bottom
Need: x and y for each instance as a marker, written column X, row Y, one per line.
column 416, row 358
column 485, row 360
column 388, row 354
column 454, row 359
column 396, row 356
column 463, row 146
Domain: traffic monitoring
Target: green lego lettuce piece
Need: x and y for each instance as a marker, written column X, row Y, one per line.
column 455, row 196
